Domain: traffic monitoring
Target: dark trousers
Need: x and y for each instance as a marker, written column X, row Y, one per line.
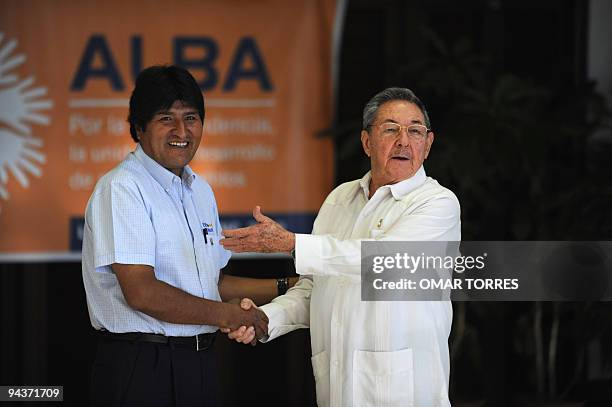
column 152, row 374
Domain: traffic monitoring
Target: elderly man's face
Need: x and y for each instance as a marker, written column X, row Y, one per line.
column 395, row 158
column 172, row 136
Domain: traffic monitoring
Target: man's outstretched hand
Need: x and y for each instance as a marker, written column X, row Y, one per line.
column 266, row 236
column 243, row 334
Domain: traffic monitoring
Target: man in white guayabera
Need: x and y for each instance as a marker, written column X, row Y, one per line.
column 367, row 353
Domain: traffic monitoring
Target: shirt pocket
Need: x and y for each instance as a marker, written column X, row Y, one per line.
column 383, row 379
column 320, row 369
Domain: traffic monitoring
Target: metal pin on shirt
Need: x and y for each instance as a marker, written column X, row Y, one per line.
column 379, row 224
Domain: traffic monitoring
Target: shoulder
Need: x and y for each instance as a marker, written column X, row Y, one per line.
column 129, row 175
column 202, row 185
column 202, row 188
column 343, row 193
column 432, row 194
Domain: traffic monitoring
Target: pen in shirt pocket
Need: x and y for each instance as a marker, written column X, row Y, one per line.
column 207, row 231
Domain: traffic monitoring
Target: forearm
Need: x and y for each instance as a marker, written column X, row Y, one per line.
column 290, row 311
column 327, row 255
column 260, row 290
column 167, row 303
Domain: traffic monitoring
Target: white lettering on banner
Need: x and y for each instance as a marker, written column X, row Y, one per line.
column 250, row 126
column 225, row 179
column 110, row 153
column 79, row 123
column 116, row 126
column 257, row 152
column 79, row 181
column 77, row 154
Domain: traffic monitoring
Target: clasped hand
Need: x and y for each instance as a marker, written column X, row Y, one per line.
column 249, row 333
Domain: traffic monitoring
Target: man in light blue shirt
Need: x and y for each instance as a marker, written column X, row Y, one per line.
column 151, row 258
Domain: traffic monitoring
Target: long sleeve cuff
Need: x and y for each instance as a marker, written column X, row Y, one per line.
column 308, row 254
column 277, row 325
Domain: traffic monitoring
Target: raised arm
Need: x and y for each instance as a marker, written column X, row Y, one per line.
column 327, row 255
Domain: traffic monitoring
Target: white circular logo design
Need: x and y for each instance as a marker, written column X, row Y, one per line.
column 21, row 104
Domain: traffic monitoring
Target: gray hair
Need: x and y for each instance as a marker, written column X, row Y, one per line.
column 388, row 95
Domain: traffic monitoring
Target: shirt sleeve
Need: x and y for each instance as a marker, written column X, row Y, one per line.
column 122, row 230
column 290, row 311
column 224, row 254
column 329, row 256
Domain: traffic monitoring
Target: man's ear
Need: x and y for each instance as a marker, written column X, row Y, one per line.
column 139, row 132
column 365, row 142
column 430, row 140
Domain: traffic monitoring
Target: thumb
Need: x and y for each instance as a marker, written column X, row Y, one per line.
column 247, row 304
column 259, row 217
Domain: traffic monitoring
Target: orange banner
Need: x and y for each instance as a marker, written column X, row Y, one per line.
column 66, row 72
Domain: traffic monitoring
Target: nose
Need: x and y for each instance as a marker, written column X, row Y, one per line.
column 403, row 138
column 181, row 129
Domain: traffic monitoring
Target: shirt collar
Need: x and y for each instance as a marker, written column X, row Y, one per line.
column 398, row 190
column 162, row 175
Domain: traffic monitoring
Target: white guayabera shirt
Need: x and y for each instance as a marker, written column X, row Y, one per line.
column 371, row 353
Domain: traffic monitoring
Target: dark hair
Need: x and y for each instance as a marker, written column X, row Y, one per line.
column 157, row 88
column 388, row 95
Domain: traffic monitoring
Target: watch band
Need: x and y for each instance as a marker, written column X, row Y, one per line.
column 282, row 285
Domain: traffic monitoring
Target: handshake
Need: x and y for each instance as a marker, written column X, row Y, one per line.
column 246, row 323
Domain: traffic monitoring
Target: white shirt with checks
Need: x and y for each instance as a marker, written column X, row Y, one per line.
column 141, row 213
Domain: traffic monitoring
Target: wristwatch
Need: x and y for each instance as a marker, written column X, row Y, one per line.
column 282, row 285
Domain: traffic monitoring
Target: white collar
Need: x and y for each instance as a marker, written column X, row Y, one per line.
column 398, row 190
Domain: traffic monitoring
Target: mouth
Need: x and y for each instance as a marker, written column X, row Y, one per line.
column 179, row 144
column 401, row 157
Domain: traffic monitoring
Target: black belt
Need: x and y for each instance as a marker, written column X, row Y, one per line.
column 198, row 342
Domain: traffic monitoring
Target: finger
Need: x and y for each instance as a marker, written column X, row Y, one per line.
column 259, row 217
column 250, row 339
column 235, row 247
column 247, row 304
column 238, row 333
column 229, row 241
column 225, row 330
column 247, row 333
column 248, row 336
column 241, row 232
column 233, row 335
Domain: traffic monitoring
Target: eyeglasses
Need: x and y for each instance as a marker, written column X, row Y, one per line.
column 415, row 131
